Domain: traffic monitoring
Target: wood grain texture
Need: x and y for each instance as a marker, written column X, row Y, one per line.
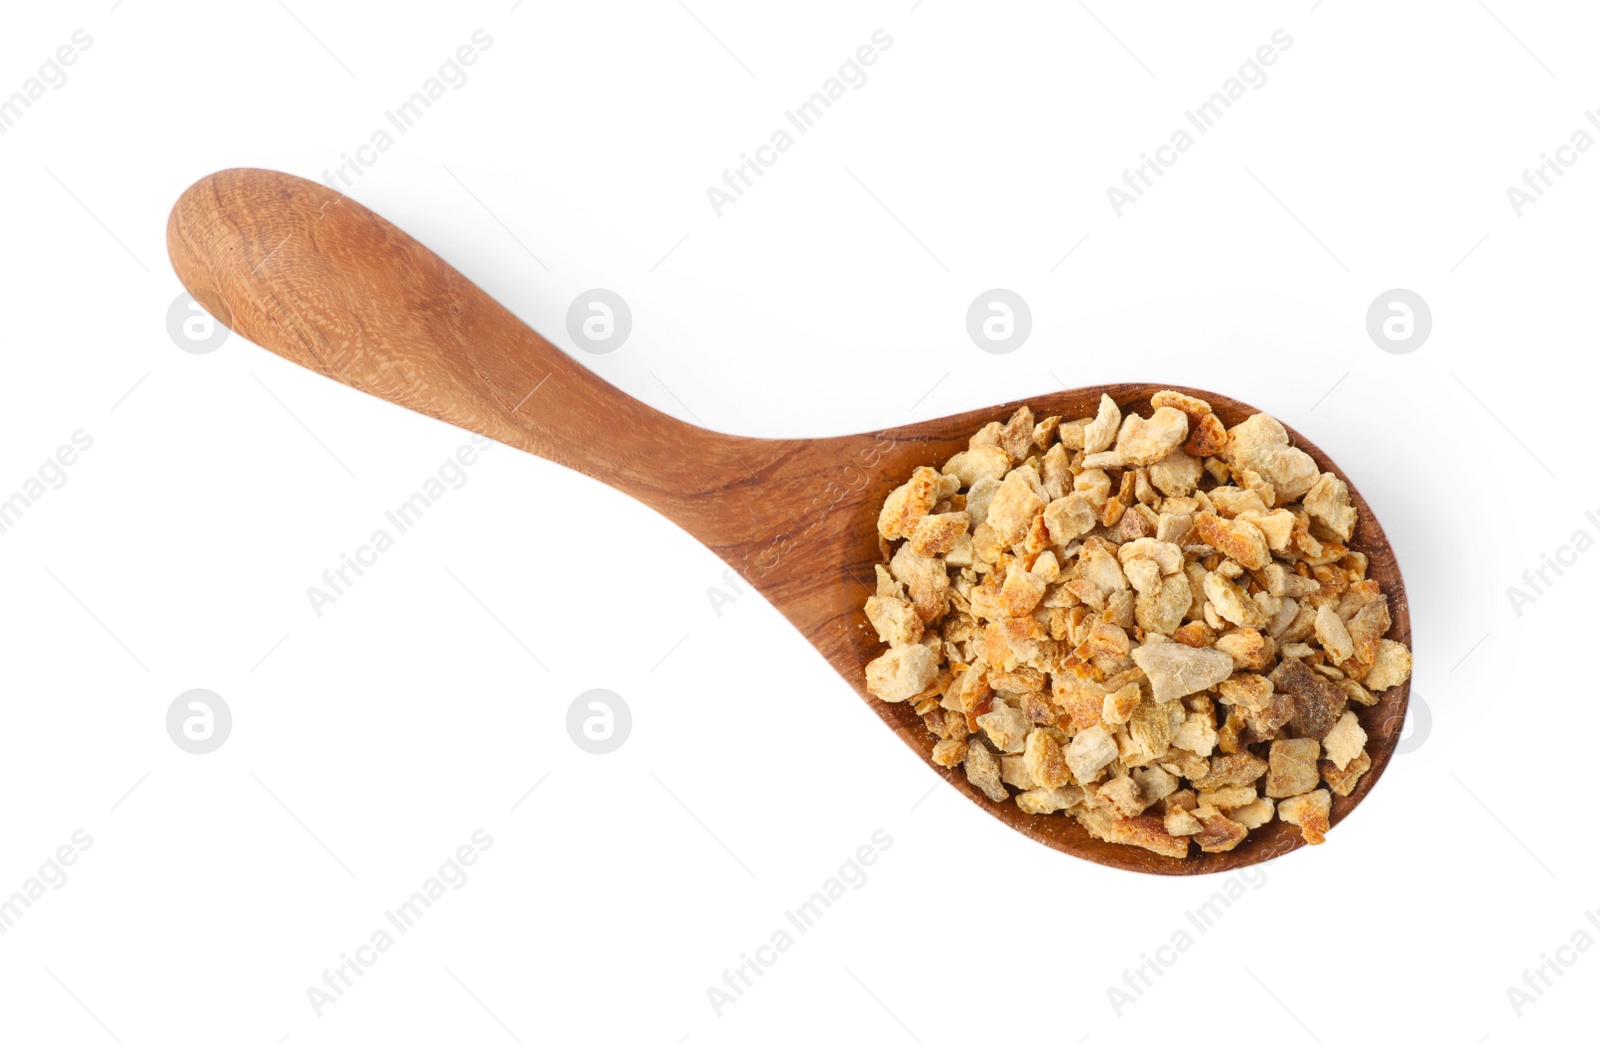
column 324, row 282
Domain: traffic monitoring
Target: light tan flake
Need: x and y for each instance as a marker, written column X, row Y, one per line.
column 896, row 622
column 1019, row 499
column 1100, row 433
column 983, row 462
column 1367, row 626
column 1239, row 540
column 1329, row 500
column 1143, row 441
column 1055, row 472
column 1233, row 501
column 1198, row 734
column 1172, row 527
column 1345, row 742
column 1251, row 650
column 1343, row 781
column 1180, row 822
column 1144, row 575
column 1167, row 556
column 1230, row 603
column 1310, row 813
column 972, row 689
column 1187, row 764
column 927, row 579
column 988, row 435
column 1256, row 814
column 1021, row 590
column 1069, row 517
column 1104, row 459
column 1043, row 758
column 1145, row 493
column 1163, row 612
column 1118, row 707
column 1207, row 436
column 1016, row 438
column 936, row 534
column 1042, row 802
column 1014, row 773
column 948, row 753
column 1104, row 639
column 1121, row 795
column 901, row 673
column 983, row 772
column 1250, row 692
column 1095, row 485
column 1283, row 582
column 1390, row 667
column 1226, row 798
column 1292, row 767
column 1284, row 618
column 1257, row 483
column 1098, row 565
column 1333, row 635
column 1277, row 526
column 1232, row 770
column 907, row 504
column 1176, row 670
column 1217, row 833
column 1155, row 784
column 1006, row 726
column 1150, row 729
column 1261, row 444
column 1145, row 832
column 1090, row 752
column 1206, row 433
column 979, row 497
column 1176, row 474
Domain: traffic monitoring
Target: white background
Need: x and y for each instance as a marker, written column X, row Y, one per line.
column 369, row 743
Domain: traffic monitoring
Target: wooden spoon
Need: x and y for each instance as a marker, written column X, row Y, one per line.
column 322, row 281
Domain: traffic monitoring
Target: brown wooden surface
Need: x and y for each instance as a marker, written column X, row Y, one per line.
column 326, row 283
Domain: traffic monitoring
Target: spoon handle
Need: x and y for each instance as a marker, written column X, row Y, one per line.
column 326, row 283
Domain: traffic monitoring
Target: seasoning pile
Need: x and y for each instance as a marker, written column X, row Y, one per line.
column 1154, row 624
